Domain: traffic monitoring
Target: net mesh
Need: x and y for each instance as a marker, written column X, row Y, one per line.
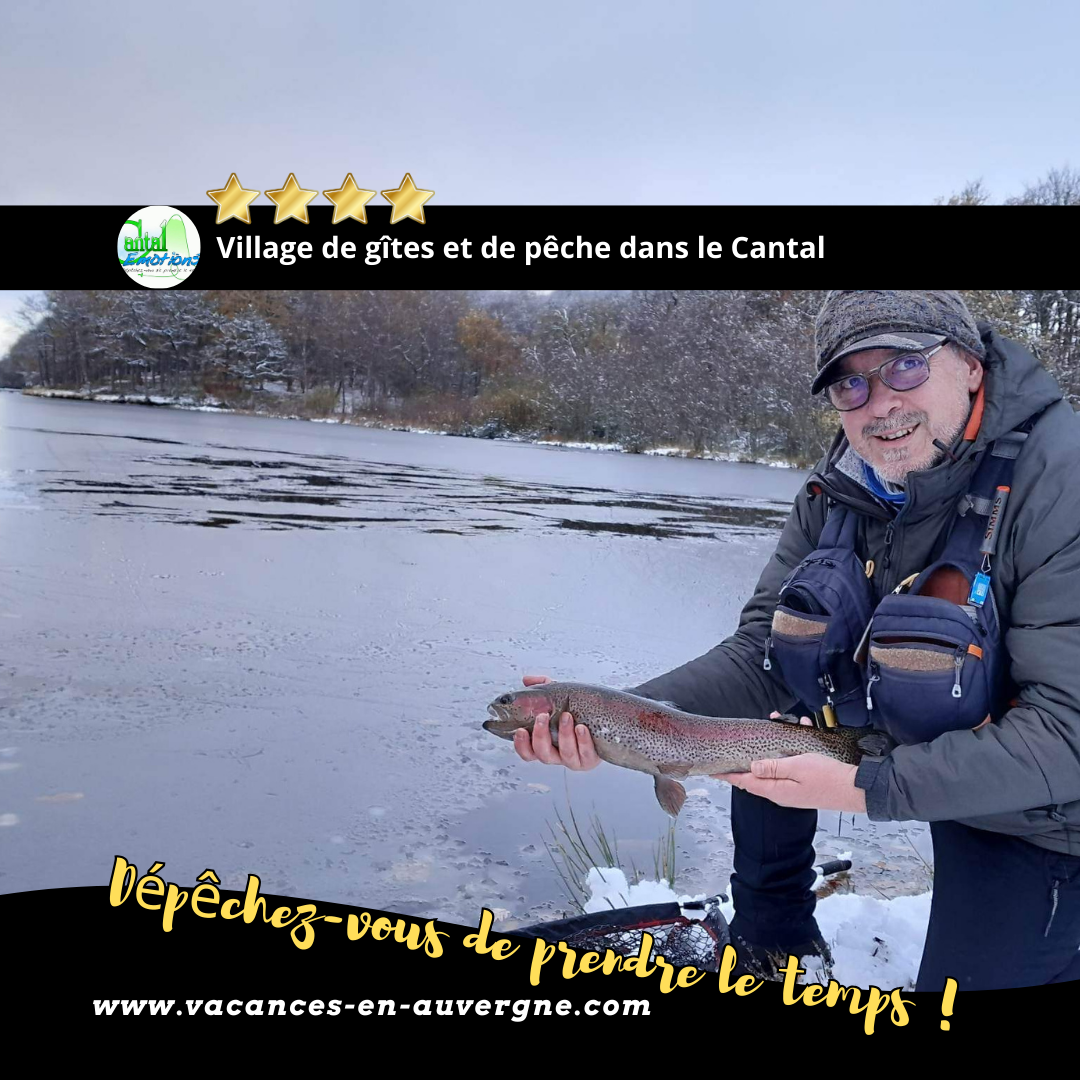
column 680, row 940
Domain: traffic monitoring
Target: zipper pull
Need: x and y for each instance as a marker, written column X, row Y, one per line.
column 829, row 687
column 905, row 584
column 827, row 710
column 874, row 677
column 888, row 545
column 768, row 663
column 958, row 664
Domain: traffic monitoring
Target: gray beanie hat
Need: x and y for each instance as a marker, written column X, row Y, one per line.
column 852, row 321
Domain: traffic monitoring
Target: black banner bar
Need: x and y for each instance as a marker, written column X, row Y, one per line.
column 112, row 971
column 494, row 247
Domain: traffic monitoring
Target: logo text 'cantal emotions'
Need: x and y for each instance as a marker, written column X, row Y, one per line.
column 158, row 247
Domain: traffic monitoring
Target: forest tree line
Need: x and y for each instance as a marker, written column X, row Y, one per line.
column 706, row 370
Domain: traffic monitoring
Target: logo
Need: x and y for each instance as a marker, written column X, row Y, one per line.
column 158, row 247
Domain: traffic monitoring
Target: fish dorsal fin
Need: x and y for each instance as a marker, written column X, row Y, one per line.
column 670, row 794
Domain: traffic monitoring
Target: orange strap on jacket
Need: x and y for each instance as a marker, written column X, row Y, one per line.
column 975, row 420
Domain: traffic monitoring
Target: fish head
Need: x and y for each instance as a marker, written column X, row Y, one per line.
column 518, row 709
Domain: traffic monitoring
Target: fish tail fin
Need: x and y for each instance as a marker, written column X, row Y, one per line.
column 670, row 794
column 876, row 743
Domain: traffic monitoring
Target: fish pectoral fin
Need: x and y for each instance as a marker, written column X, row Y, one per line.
column 670, row 794
column 676, row 770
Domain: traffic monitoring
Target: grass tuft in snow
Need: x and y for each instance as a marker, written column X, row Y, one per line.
column 579, row 857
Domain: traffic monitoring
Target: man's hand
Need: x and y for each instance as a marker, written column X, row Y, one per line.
column 810, row 781
column 575, row 749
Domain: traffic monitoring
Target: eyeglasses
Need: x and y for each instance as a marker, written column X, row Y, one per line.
column 901, row 373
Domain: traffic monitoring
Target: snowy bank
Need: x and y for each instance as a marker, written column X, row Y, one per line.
column 205, row 404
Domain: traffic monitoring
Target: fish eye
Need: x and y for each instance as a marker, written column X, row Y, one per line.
column 506, row 699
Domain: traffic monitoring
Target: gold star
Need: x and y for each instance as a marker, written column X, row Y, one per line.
column 291, row 201
column 408, row 200
column 233, row 201
column 349, row 200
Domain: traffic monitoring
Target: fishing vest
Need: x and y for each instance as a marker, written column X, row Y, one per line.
column 929, row 657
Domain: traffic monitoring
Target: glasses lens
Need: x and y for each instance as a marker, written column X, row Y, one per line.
column 906, row 372
column 849, row 393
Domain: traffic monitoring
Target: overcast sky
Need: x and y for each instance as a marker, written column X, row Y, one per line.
column 788, row 101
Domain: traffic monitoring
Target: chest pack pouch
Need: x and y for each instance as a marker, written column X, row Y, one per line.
column 929, row 658
column 824, row 605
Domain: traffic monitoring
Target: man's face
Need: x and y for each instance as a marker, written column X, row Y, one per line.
column 938, row 409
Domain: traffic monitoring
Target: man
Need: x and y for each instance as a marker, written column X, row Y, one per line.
column 923, row 396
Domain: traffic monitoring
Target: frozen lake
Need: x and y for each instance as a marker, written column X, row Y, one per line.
column 267, row 646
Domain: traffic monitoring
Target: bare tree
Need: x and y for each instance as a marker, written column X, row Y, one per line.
column 1060, row 187
column 972, row 193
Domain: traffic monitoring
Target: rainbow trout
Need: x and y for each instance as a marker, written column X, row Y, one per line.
column 655, row 737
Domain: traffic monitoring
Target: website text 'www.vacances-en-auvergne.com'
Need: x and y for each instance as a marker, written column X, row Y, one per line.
column 516, row 1009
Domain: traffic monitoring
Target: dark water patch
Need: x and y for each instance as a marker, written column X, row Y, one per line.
column 324, row 481
column 748, row 517
column 98, row 483
column 625, row 528
column 115, row 505
column 363, row 473
column 509, row 485
column 231, row 463
column 647, row 504
column 119, row 489
column 421, row 497
column 170, row 487
column 321, row 518
column 185, row 481
column 281, row 497
column 214, row 522
column 515, row 485
column 728, row 513
column 502, row 508
column 269, row 526
column 553, row 500
column 100, row 435
column 288, row 453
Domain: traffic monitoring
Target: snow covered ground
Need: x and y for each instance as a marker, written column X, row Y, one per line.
column 204, row 404
column 873, row 942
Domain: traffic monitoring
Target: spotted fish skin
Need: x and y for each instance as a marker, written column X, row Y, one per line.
column 657, row 738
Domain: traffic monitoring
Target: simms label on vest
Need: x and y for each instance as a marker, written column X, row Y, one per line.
column 997, row 511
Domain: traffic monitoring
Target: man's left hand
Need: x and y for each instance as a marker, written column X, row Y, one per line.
column 812, row 781
column 809, row 781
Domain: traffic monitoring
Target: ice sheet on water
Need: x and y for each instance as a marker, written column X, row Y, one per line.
column 242, row 685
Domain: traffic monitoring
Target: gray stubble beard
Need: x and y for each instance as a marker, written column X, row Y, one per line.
column 936, row 456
